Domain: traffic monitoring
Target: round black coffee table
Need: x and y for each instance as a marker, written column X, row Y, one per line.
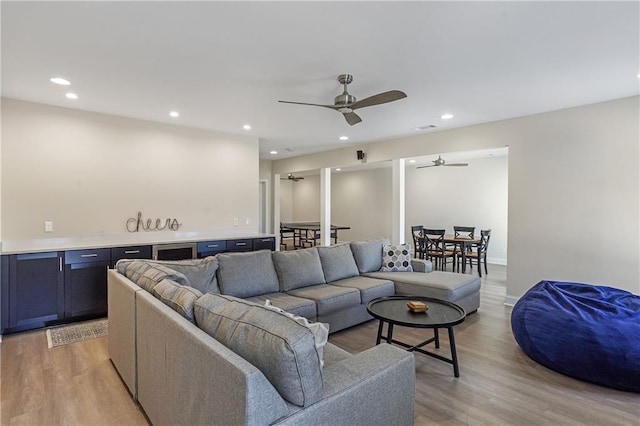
column 441, row 314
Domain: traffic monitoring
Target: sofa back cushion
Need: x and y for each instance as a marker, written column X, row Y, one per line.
column 247, row 274
column 337, row 262
column 298, row 268
column 201, row 273
column 147, row 274
column 178, row 297
column 368, row 254
column 281, row 348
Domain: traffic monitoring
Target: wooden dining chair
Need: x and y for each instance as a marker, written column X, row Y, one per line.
column 286, row 235
column 480, row 255
column 419, row 251
column 436, row 250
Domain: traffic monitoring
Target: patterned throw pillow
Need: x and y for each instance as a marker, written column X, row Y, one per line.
column 396, row 258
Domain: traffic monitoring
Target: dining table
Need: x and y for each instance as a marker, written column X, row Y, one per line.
column 309, row 232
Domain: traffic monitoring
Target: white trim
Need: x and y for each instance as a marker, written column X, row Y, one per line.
column 510, row 300
column 497, row 261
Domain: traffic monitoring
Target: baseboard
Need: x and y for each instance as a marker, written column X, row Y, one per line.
column 510, row 300
column 497, row 260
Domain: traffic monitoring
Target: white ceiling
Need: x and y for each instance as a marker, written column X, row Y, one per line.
column 224, row 64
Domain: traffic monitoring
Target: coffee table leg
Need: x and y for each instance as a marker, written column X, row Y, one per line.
column 454, row 354
column 436, row 336
column 379, row 332
column 389, row 333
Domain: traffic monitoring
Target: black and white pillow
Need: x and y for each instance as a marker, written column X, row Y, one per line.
column 396, row 258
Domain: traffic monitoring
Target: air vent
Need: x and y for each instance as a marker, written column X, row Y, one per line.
column 427, row 127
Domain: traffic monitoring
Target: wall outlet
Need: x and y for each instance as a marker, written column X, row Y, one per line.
column 48, row 226
column 235, row 221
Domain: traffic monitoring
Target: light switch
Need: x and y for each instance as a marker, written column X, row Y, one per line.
column 48, row 226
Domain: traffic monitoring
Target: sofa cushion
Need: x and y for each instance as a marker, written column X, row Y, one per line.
column 396, row 258
column 370, row 288
column 337, row 262
column 147, row 275
column 329, row 298
column 437, row 284
column 368, row 254
column 281, row 348
column 295, row 305
column 247, row 274
column 320, row 330
column 201, row 273
column 178, row 297
column 298, row 268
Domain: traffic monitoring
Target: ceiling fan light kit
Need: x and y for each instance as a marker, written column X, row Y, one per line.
column 346, row 103
column 293, row 178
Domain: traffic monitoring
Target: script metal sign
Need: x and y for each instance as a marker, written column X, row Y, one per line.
column 137, row 224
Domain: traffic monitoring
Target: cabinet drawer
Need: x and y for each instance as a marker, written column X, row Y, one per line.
column 86, row 256
column 245, row 244
column 132, row 252
column 212, row 246
column 268, row 243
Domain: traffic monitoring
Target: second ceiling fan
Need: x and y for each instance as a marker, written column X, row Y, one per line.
column 440, row 162
column 347, row 103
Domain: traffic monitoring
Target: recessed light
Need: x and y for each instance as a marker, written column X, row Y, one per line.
column 247, row 127
column 344, row 138
column 412, row 161
column 638, row 75
column 174, row 114
column 71, row 95
column 446, row 116
column 273, row 152
column 59, row 80
column 338, row 170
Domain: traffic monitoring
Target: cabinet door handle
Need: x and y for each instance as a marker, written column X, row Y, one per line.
column 265, row 240
column 213, row 245
column 241, row 244
column 131, row 251
column 89, row 255
column 60, row 260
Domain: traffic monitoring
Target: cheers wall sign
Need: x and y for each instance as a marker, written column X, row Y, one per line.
column 137, row 224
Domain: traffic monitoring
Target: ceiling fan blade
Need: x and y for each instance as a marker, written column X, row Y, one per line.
column 304, row 103
column 380, row 98
column 422, row 167
column 456, row 164
column 352, row 118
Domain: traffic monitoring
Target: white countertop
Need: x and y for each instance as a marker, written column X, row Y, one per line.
column 33, row 245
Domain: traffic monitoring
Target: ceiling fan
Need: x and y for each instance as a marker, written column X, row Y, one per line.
column 290, row 176
column 440, row 162
column 347, row 103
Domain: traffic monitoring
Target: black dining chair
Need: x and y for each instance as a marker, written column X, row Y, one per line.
column 419, row 251
column 436, row 249
column 286, row 234
column 480, row 255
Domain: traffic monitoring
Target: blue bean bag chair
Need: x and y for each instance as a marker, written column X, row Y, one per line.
column 585, row 331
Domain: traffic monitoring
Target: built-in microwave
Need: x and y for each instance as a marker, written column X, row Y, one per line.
column 174, row 251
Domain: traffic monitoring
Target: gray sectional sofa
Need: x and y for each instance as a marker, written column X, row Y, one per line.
column 195, row 344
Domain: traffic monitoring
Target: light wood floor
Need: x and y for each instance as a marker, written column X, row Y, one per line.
column 498, row 385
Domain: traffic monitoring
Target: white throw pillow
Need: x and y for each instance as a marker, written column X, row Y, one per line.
column 320, row 330
column 396, row 258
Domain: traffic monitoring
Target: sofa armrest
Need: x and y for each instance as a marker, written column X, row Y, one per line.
column 374, row 387
column 421, row 265
column 121, row 299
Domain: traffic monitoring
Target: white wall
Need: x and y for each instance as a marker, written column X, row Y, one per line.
column 476, row 195
column 89, row 172
column 573, row 189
